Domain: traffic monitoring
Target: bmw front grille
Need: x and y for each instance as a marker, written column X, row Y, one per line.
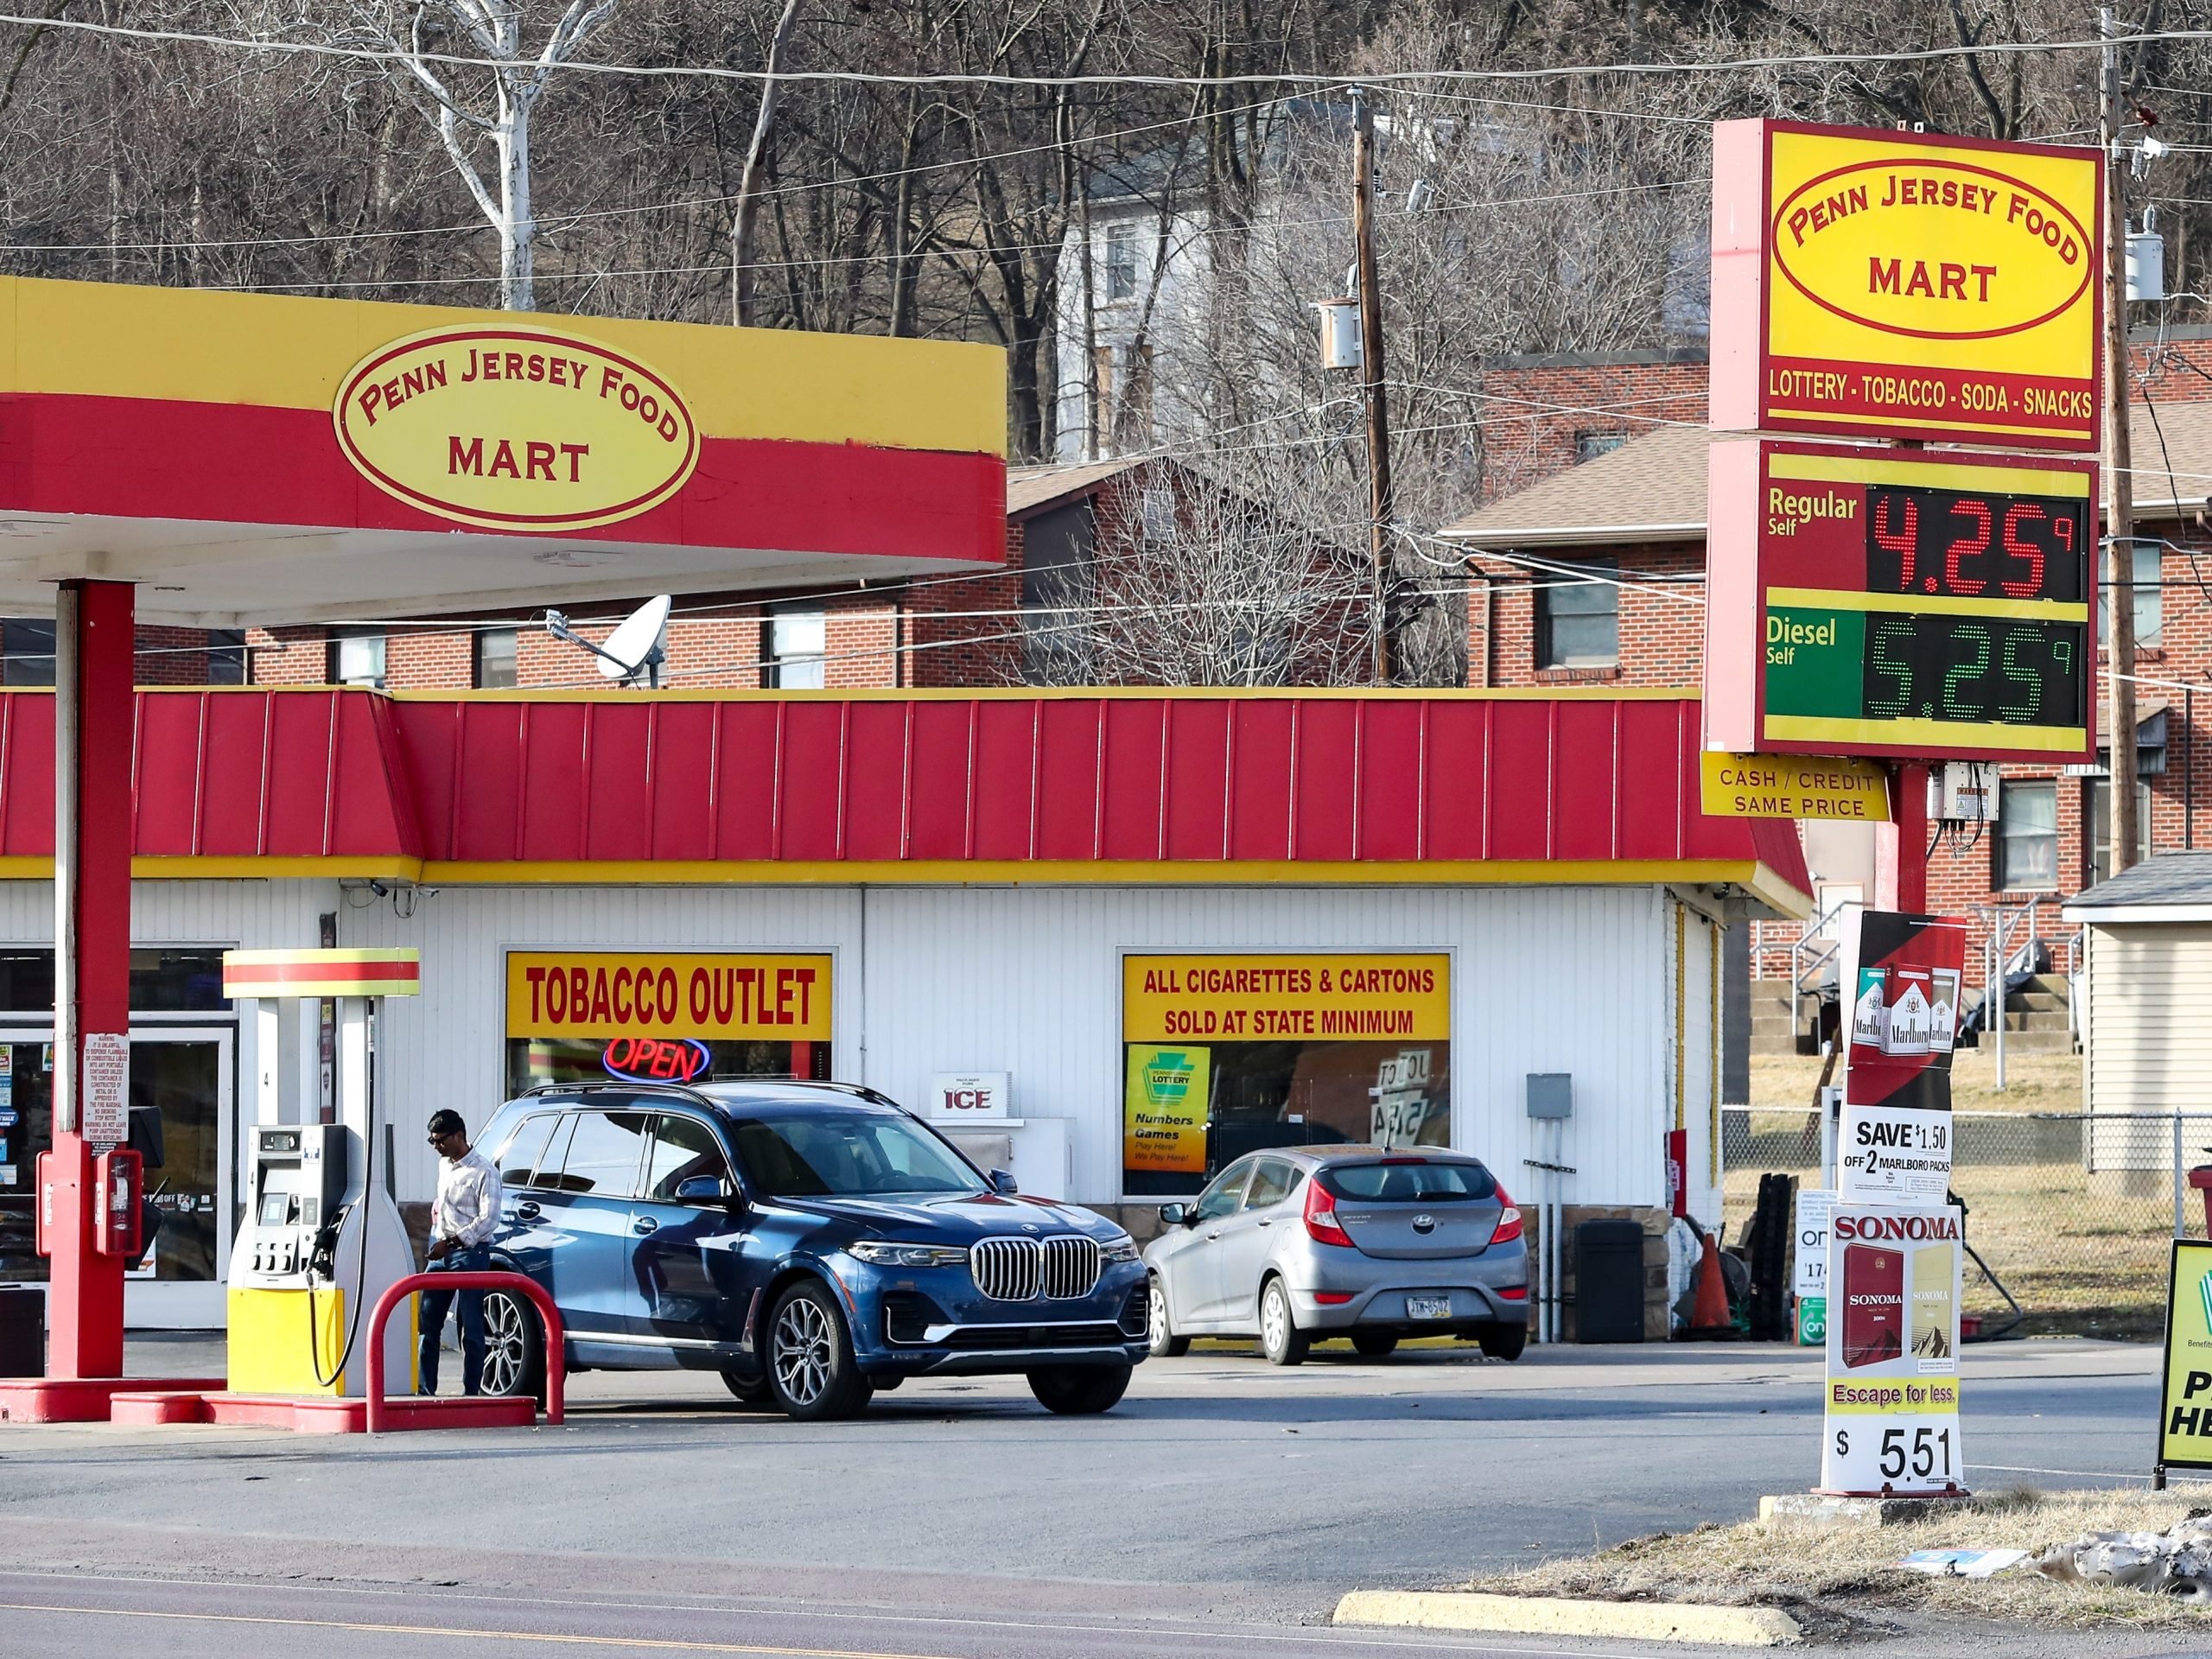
column 1059, row 1268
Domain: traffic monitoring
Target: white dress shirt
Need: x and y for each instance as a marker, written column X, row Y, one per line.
column 467, row 1208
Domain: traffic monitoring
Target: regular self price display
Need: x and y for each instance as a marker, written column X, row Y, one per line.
column 1869, row 603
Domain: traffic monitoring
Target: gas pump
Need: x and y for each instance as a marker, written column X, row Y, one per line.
column 321, row 1238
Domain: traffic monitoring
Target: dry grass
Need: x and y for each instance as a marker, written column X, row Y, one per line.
column 2033, row 1083
column 1834, row 1574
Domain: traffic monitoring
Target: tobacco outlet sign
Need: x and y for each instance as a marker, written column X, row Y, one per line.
column 1905, row 285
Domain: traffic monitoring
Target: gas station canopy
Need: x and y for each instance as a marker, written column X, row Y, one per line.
column 266, row 459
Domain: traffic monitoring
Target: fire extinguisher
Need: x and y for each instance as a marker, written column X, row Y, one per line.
column 118, row 1184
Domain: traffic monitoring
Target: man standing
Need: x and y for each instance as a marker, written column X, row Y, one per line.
column 461, row 1221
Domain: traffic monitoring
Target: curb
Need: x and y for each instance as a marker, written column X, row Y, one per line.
column 1647, row 1621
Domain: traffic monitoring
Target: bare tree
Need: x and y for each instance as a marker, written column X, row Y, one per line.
column 492, row 106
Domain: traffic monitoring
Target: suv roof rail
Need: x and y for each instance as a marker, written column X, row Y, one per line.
column 610, row 1085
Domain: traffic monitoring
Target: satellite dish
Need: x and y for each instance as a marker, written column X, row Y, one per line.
column 639, row 646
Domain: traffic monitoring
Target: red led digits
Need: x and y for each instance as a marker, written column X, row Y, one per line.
column 1966, row 547
column 1905, row 542
column 2024, row 512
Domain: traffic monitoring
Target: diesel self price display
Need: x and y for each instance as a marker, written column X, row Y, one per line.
column 1864, row 602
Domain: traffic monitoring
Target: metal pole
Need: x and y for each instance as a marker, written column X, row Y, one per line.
column 1370, row 353
column 2120, row 512
column 2003, row 978
column 2181, row 1215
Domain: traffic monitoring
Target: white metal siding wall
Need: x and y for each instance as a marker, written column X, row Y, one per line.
column 2151, row 1018
column 1028, row 979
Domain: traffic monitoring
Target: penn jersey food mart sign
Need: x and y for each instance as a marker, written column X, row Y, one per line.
column 1905, row 285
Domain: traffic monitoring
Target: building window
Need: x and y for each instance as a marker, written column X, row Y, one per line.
column 2149, row 589
column 226, row 662
column 1120, row 262
column 1579, row 622
column 1156, row 512
column 2096, row 826
column 495, row 659
column 2027, row 835
column 357, row 660
column 798, row 650
column 1588, row 446
column 27, row 650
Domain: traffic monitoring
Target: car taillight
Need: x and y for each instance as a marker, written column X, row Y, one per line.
column 1509, row 1220
column 1514, row 1293
column 1321, row 1218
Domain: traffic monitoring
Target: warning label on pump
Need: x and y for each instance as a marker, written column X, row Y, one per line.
column 106, row 1116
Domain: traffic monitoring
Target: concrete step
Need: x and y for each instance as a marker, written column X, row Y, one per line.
column 2057, row 984
column 2036, row 1020
column 2029, row 1042
column 2036, row 1002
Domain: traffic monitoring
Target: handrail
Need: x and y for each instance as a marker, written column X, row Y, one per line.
column 556, row 1354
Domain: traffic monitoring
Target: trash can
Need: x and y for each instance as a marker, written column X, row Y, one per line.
column 23, row 1330
column 2201, row 1178
column 1609, row 1281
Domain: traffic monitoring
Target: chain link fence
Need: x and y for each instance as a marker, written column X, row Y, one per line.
column 2071, row 1212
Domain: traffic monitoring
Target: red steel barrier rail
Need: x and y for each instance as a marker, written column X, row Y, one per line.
column 556, row 1354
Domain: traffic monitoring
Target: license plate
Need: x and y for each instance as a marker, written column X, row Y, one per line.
column 1428, row 1307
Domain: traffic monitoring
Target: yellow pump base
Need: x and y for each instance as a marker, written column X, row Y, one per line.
column 278, row 1338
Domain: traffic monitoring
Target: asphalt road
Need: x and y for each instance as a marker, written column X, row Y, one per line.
column 1230, row 1500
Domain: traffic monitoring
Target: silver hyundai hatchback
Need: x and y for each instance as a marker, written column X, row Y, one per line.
column 1295, row 1245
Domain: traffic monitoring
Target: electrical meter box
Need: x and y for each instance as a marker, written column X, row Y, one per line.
column 298, row 1186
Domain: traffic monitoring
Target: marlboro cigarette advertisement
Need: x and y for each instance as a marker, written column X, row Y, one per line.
column 1904, row 976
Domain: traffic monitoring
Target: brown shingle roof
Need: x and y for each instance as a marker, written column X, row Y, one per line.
column 1031, row 489
column 1652, row 488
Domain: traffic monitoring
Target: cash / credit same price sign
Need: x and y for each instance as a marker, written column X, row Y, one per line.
column 1867, row 603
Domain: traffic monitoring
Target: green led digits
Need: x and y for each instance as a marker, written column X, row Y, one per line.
column 1889, row 631
column 2029, row 685
column 1975, row 639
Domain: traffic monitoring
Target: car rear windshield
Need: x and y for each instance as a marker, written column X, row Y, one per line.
column 1409, row 1182
column 845, row 1155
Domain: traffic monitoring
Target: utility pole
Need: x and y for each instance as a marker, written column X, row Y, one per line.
column 1370, row 357
column 2119, row 501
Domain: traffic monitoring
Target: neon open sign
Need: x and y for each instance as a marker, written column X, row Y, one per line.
column 655, row 1059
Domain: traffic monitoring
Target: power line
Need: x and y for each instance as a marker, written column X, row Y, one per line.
column 975, row 77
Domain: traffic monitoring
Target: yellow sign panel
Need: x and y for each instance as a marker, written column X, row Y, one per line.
column 1164, row 1109
column 593, row 993
column 511, row 428
column 2185, row 1403
column 1906, row 284
column 1276, row 998
column 1792, row 786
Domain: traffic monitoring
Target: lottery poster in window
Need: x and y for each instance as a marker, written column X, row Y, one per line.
column 1164, row 1110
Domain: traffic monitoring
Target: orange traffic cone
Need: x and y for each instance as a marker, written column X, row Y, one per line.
column 1709, row 1314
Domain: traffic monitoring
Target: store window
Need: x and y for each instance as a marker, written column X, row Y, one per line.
column 2027, row 835
column 661, row 1017
column 226, row 657
column 1588, row 446
column 27, row 650
column 2147, row 582
column 1227, row 1055
column 1579, row 622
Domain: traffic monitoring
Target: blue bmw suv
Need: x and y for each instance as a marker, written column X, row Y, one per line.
column 813, row 1243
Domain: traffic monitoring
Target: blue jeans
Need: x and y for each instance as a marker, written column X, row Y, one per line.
column 435, row 1305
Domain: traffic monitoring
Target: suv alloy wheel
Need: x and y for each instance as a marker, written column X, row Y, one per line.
column 811, row 1371
column 514, row 1358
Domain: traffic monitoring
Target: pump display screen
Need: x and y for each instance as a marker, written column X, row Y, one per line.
column 274, row 1208
column 1923, row 606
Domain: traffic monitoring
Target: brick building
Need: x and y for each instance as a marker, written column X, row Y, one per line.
column 1594, row 573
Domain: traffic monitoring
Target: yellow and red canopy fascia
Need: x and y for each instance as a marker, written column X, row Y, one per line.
column 144, row 402
column 381, row 972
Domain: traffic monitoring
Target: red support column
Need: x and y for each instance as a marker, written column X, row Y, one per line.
column 1901, row 845
column 93, row 716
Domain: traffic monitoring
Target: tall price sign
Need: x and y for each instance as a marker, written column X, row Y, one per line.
column 1877, row 602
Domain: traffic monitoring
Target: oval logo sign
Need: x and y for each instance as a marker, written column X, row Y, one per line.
column 1932, row 248
column 515, row 428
